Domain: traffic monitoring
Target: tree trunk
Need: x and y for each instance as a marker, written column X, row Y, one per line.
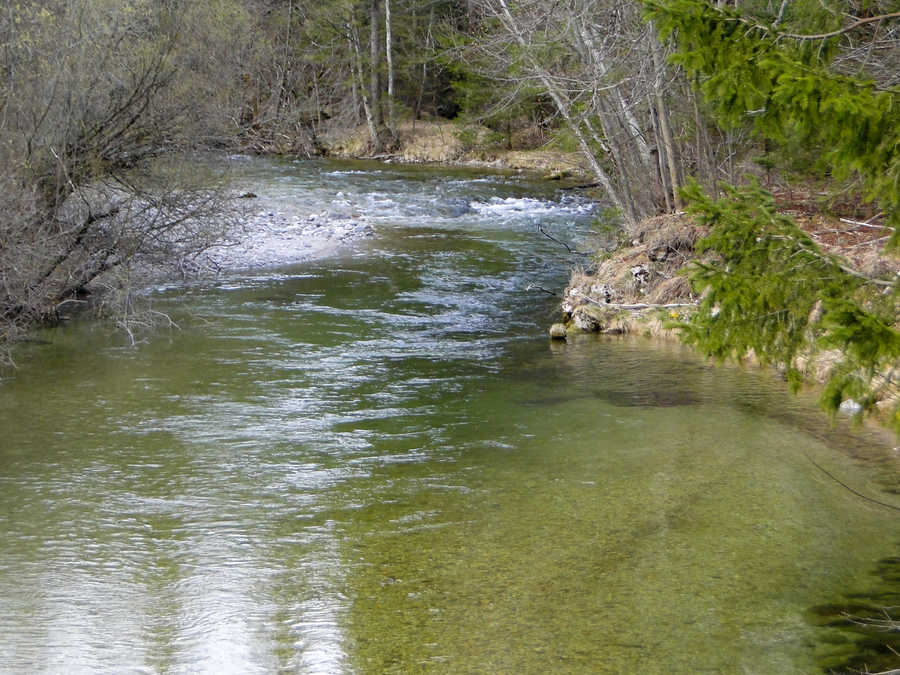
column 375, row 72
column 286, row 63
column 429, row 45
column 662, row 111
column 357, row 53
column 564, row 108
column 354, row 82
column 660, row 159
column 389, row 53
column 706, row 168
column 624, row 110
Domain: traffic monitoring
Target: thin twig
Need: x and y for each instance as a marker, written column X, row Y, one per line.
column 887, row 625
column 847, row 487
column 839, row 31
column 753, row 25
column 560, row 241
column 530, row 287
column 832, row 260
column 635, row 305
column 865, row 224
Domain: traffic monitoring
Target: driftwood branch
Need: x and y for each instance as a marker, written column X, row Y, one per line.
column 860, row 223
column 534, row 287
column 560, row 241
column 645, row 305
column 636, row 305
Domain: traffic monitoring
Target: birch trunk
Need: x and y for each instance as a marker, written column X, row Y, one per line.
column 374, row 70
column 357, row 53
column 389, row 53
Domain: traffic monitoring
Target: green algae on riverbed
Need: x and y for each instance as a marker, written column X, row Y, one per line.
column 620, row 547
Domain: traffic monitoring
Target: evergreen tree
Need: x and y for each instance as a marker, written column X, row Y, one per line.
column 769, row 289
column 785, row 85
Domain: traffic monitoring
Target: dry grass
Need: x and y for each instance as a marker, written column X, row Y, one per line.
column 676, row 289
column 448, row 142
column 651, row 271
column 648, row 273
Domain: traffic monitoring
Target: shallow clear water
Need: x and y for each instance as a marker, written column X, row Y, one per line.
column 377, row 462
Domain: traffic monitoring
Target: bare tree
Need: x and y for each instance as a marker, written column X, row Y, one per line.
column 389, row 55
column 604, row 71
column 92, row 102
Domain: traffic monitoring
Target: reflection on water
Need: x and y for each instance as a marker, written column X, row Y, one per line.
column 378, row 463
column 865, row 638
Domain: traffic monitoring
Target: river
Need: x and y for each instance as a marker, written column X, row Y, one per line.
column 375, row 461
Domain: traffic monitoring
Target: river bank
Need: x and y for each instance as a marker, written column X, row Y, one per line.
column 638, row 286
column 642, row 286
column 451, row 144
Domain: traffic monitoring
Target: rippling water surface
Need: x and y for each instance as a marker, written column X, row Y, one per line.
column 376, row 462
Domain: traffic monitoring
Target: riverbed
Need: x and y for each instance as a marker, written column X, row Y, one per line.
column 360, row 453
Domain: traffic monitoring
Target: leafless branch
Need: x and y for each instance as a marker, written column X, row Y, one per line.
column 841, row 31
column 560, row 241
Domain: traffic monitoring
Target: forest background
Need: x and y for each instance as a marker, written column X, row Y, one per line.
column 666, row 102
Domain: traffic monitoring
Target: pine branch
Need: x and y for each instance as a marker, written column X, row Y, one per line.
column 843, row 266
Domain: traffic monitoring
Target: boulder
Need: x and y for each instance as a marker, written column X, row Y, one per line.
column 558, row 331
column 586, row 320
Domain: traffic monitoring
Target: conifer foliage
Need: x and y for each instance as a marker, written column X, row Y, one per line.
column 768, row 288
column 770, row 291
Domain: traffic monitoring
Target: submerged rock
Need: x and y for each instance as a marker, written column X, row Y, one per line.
column 850, row 407
column 453, row 207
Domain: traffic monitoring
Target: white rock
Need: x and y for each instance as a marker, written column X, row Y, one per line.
column 850, row 407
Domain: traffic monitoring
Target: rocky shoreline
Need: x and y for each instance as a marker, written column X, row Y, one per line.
column 639, row 287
